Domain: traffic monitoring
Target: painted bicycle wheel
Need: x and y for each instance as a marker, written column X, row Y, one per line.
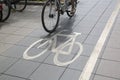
column 59, row 52
column 37, row 49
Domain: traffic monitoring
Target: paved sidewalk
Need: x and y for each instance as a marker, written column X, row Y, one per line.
column 22, row 29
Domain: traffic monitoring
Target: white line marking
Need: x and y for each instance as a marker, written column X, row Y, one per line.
column 87, row 71
column 58, row 50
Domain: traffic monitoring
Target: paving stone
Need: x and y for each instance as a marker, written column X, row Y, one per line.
column 111, row 54
column 33, row 26
column 97, row 77
column 109, row 69
column 92, row 40
column 79, row 63
column 12, row 39
column 114, row 42
column 70, row 75
column 4, row 47
column 47, row 72
column 6, row 77
column 8, row 30
column 23, row 31
column 61, row 58
column 38, row 33
column 5, row 63
column 27, row 41
column 22, row 68
column 116, row 27
column 98, row 29
column 87, row 49
column 14, row 51
column 2, row 36
column 82, row 30
column 107, row 13
column 15, row 22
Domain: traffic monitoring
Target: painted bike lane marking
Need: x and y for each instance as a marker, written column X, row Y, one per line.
column 57, row 49
column 88, row 69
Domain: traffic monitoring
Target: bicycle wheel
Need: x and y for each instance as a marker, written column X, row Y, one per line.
column 68, row 11
column 5, row 11
column 60, row 63
column 0, row 15
column 19, row 5
column 37, row 49
column 50, row 16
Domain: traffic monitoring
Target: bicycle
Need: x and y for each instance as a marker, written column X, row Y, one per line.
column 51, row 12
column 7, row 5
column 4, row 11
column 48, row 43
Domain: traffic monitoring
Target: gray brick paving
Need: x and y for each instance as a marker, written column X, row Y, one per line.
column 22, row 29
column 70, row 74
column 111, row 54
column 109, row 68
column 14, row 51
column 79, row 63
column 98, row 77
column 22, row 68
column 6, row 77
column 47, row 72
column 5, row 63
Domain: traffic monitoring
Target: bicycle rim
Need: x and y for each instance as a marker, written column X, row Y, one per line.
column 50, row 16
column 37, row 49
column 5, row 12
column 20, row 5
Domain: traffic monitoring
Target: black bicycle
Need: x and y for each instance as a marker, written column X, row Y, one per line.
column 51, row 13
column 7, row 5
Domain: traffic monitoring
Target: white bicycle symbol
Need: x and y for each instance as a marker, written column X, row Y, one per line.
column 51, row 43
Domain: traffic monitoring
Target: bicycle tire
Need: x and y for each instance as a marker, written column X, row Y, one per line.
column 1, row 15
column 56, row 13
column 70, row 7
column 19, row 5
column 6, row 10
column 59, row 63
column 32, row 46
